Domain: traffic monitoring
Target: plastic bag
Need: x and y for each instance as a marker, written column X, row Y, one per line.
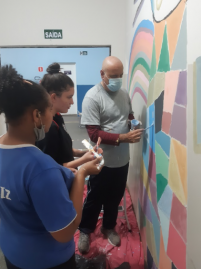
column 98, row 262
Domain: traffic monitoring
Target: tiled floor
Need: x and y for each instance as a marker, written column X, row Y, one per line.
column 77, row 134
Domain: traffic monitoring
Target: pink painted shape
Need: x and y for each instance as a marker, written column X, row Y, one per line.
column 166, row 122
column 139, row 74
column 178, row 217
column 171, row 82
column 144, row 39
column 152, row 165
column 176, row 249
column 138, row 90
column 142, row 44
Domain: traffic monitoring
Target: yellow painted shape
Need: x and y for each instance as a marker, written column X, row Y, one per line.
column 159, row 84
column 174, row 179
column 164, row 261
column 159, row 31
column 173, row 28
column 145, row 179
column 151, row 240
column 181, row 155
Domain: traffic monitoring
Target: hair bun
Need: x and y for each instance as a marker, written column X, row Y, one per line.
column 53, row 68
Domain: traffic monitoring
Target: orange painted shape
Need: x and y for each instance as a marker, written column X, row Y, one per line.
column 164, row 261
column 173, row 28
column 181, row 156
column 159, row 31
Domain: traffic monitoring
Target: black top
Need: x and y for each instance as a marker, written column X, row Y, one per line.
column 57, row 142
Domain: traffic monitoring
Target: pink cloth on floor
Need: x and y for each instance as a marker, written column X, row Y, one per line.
column 130, row 251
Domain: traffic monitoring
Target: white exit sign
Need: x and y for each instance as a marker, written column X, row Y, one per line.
column 53, row 34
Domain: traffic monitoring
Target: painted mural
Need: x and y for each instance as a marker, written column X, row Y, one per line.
column 158, row 75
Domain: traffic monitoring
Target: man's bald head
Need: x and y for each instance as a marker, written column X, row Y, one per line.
column 111, row 62
column 112, row 68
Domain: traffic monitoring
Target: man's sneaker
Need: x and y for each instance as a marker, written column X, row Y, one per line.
column 83, row 243
column 112, row 236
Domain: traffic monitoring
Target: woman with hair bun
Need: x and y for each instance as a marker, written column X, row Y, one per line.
column 58, row 143
column 40, row 201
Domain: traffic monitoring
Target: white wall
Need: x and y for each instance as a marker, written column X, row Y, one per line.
column 89, row 22
column 2, row 125
column 194, row 160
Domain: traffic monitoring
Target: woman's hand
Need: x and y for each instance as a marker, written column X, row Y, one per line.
column 87, row 157
column 92, row 167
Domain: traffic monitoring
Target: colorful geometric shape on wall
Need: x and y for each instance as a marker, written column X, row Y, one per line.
column 152, row 165
column 171, row 82
column 151, row 131
column 176, row 248
column 145, row 179
column 181, row 97
column 146, row 153
column 164, row 62
column 153, row 62
column 150, row 98
column 161, row 184
column 156, row 226
column 165, row 202
column 166, row 122
column 165, row 223
column 159, row 33
column 173, row 29
column 146, row 205
column 159, row 84
column 164, row 261
column 174, row 179
column 179, row 218
column 164, row 141
column 181, row 156
column 154, row 196
column 178, row 126
column 151, row 240
column 180, row 56
column 159, row 112
column 162, row 161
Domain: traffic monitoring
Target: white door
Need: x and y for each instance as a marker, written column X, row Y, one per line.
column 70, row 70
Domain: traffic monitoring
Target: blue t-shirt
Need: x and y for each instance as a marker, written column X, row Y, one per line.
column 34, row 201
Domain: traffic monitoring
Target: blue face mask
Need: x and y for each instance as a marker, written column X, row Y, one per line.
column 114, row 84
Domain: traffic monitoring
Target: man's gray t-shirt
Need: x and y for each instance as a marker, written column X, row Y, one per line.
column 109, row 110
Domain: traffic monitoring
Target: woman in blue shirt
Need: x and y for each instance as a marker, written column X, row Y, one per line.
column 40, row 200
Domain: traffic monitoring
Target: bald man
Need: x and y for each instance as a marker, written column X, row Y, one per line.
column 106, row 110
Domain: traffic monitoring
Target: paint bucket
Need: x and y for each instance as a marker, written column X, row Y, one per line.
column 135, row 124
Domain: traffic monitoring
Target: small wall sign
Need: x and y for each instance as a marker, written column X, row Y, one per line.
column 40, row 69
column 53, row 34
column 84, row 53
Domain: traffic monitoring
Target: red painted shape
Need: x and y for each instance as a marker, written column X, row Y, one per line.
column 40, row 69
column 178, row 217
column 176, row 249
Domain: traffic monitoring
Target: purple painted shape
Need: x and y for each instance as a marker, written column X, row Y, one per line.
column 146, row 205
column 154, row 266
column 181, row 96
column 152, row 165
column 178, row 125
column 153, row 191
